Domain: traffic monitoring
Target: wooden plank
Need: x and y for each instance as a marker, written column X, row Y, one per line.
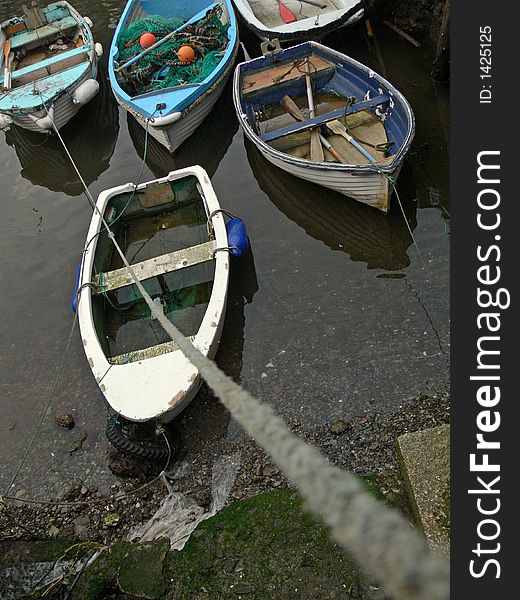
column 136, row 355
column 264, row 79
column 41, row 33
column 320, row 119
column 402, row 33
column 48, row 62
column 166, row 263
column 15, row 28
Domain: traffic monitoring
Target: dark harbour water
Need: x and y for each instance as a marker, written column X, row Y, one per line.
column 332, row 315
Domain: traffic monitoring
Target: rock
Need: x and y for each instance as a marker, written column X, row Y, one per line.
column 242, row 589
column 111, row 519
column 64, row 420
column 53, row 531
column 72, row 490
column 270, row 470
column 229, row 565
column 425, row 463
column 338, row 427
column 81, row 525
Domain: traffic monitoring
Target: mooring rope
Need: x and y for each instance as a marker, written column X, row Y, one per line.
column 381, row 541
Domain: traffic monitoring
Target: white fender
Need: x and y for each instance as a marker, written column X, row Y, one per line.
column 5, row 121
column 98, row 49
column 88, row 21
column 166, row 120
column 85, row 92
column 45, row 122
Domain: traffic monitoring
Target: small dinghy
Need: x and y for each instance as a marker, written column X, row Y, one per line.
column 49, row 67
column 298, row 20
column 169, row 63
column 170, row 230
column 326, row 118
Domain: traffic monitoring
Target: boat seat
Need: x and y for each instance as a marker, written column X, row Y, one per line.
column 37, row 35
column 166, row 263
column 136, row 355
column 299, row 126
column 262, row 80
column 54, row 64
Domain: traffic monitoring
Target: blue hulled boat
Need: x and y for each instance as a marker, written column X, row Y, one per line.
column 167, row 95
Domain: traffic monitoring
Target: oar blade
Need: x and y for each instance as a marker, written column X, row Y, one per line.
column 292, row 108
column 286, row 14
column 316, row 147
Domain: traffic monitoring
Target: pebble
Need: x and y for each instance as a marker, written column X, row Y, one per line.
column 339, row 426
column 65, row 420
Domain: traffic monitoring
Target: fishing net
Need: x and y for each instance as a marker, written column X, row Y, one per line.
column 161, row 68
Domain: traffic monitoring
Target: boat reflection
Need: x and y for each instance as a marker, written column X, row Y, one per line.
column 381, row 241
column 90, row 137
column 205, row 147
column 205, row 408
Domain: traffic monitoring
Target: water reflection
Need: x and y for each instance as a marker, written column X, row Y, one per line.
column 205, row 147
column 90, row 137
column 381, row 241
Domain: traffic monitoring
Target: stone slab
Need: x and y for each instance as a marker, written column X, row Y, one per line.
column 425, row 463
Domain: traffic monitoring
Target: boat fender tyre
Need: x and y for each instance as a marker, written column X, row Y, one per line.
column 85, row 92
column 139, row 449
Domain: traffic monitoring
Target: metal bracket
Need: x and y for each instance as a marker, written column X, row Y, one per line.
column 270, row 47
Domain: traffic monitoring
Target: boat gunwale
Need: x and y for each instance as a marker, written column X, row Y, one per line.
column 369, row 168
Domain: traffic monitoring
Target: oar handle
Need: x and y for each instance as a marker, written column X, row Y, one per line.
column 364, row 152
column 331, row 149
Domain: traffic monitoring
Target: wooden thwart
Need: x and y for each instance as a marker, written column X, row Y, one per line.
column 321, row 119
column 264, row 79
column 137, row 355
column 166, row 263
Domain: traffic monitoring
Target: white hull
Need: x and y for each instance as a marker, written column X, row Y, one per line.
column 172, row 136
column 64, row 109
column 370, row 188
column 154, row 386
column 263, row 18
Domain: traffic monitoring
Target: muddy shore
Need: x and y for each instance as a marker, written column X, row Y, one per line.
column 364, row 445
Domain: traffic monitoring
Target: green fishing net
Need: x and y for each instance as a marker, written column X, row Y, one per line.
column 161, row 67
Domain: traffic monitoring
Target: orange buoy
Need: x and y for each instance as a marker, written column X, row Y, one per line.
column 147, row 40
column 186, row 54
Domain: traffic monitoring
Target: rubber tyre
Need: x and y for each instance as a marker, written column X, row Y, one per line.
column 140, row 449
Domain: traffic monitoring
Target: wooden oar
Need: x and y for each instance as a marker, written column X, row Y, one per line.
column 339, row 129
column 285, row 13
column 292, row 108
column 7, row 52
column 193, row 19
column 316, row 149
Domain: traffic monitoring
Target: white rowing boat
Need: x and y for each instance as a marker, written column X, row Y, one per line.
column 311, row 21
column 162, row 227
column 371, row 123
